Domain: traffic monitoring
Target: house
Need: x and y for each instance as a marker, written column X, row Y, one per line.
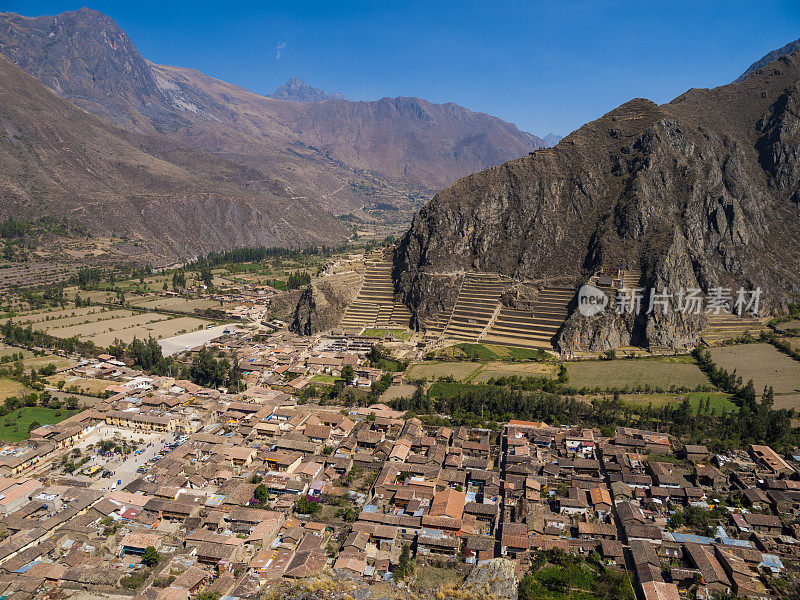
column 137, row 543
column 764, row 523
column 514, row 539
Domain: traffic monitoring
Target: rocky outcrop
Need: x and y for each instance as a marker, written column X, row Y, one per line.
column 297, row 90
column 321, row 306
column 701, row 192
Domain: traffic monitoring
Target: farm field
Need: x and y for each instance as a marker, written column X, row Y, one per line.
column 397, row 391
column 473, row 351
column 81, row 385
column 9, row 387
column 6, row 350
column 678, row 371
column 40, row 316
column 765, row 366
column 158, row 329
column 399, row 334
column 502, row 369
column 31, row 361
column 459, row 371
column 14, row 426
column 90, row 330
column 175, row 304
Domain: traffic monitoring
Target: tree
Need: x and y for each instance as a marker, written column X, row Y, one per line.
column 405, row 565
column 260, row 493
column 305, row 506
column 34, row 425
column 151, row 557
column 72, row 403
column 348, row 374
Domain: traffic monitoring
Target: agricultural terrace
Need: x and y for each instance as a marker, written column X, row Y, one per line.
column 766, row 366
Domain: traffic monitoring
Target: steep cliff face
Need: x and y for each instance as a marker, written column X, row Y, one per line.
column 700, row 192
column 320, row 307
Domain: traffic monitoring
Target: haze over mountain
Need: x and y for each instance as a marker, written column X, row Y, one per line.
column 551, row 139
column 299, row 91
column 59, row 160
column 343, row 155
column 701, row 192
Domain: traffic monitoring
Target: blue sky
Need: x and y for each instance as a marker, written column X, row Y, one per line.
column 545, row 66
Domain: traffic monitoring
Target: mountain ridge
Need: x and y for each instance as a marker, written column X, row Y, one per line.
column 296, row 90
column 61, row 161
column 699, row 192
column 394, row 152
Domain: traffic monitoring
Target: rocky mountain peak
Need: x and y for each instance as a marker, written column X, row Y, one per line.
column 769, row 57
column 298, row 90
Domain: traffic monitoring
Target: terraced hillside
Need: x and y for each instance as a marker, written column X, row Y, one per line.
column 534, row 327
column 374, row 307
column 725, row 326
column 478, row 303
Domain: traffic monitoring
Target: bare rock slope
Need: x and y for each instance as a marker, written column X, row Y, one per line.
column 701, row 192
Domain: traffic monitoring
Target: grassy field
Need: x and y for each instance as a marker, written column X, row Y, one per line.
column 664, row 372
column 326, row 379
column 398, row 334
column 14, row 426
column 503, row 369
column 765, row 366
column 460, row 371
column 9, row 387
column 472, row 351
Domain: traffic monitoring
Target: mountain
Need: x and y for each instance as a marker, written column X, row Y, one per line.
column 350, row 157
column 769, row 57
column 701, row 192
column 299, row 91
column 58, row 160
column 551, row 139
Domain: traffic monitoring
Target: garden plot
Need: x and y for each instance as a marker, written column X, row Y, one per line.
column 501, row 369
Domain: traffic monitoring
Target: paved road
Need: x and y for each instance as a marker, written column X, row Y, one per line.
column 178, row 343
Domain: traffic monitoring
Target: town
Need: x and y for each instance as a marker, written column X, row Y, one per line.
column 259, row 458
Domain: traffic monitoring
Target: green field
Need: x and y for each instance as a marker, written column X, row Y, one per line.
column 398, row 334
column 662, row 372
column 473, row 351
column 460, row 371
column 14, row 426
